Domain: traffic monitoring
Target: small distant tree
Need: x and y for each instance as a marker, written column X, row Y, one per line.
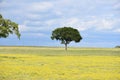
column 117, row 46
column 66, row 35
column 8, row 27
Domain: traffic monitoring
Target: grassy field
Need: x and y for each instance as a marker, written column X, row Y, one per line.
column 47, row 63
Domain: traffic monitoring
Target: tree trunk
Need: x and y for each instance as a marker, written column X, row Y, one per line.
column 66, row 46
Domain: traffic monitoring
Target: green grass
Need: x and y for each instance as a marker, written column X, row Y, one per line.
column 50, row 63
column 47, row 51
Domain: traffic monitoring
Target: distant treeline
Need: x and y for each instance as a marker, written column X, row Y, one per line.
column 117, row 47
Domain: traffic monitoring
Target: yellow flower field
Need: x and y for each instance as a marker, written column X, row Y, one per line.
column 58, row 67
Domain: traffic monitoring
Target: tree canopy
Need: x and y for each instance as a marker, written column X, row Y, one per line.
column 8, row 27
column 66, row 35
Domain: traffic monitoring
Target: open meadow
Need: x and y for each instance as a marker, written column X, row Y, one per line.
column 50, row 63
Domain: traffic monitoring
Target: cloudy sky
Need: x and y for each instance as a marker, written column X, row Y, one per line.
column 97, row 20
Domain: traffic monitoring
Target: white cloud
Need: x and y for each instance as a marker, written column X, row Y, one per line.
column 104, row 24
column 81, row 25
column 24, row 28
column 39, row 6
column 50, row 22
column 32, row 23
column 117, row 6
column 33, row 16
column 35, row 34
column 73, row 22
column 117, row 30
column 68, row 12
column 4, row 4
column 95, row 23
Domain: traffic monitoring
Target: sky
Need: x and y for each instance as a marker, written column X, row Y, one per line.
column 98, row 21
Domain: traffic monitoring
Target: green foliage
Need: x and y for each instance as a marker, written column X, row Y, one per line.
column 8, row 27
column 117, row 46
column 66, row 35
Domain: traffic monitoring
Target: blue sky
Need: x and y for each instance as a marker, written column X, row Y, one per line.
column 97, row 20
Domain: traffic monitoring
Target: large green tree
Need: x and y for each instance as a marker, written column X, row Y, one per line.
column 8, row 27
column 66, row 35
